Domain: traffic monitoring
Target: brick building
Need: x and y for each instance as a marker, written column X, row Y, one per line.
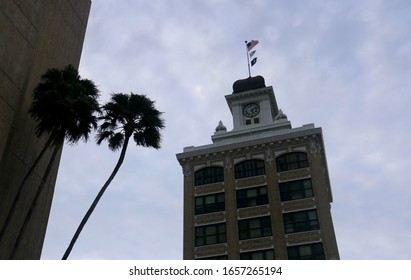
column 261, row 190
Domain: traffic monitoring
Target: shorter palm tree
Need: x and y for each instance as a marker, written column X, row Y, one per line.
column 124, row 116
column 65, row 108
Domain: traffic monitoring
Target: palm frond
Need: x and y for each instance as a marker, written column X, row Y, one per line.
column 103, row 135
column 134, row 115
column 116, row 141
column 64, row 105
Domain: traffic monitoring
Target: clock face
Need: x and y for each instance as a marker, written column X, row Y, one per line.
column 251, row 110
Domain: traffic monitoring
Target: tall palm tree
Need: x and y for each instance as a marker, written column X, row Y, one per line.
column 124, row 116
column 65, row 108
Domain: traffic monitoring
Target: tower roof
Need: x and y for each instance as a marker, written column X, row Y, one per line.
column 248, row 84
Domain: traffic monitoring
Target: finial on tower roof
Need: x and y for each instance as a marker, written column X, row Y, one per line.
column 220, row 127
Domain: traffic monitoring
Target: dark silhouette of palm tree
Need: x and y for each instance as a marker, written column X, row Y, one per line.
column 123, row 117
column 65, row 108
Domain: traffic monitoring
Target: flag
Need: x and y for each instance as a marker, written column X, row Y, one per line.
column 250, row 54
column 251, row 44
column 254, row 61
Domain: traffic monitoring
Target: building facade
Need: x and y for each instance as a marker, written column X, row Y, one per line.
column 261, row 190
column 34, row 36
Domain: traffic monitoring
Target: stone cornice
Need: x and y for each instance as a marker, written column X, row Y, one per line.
column 213, row 148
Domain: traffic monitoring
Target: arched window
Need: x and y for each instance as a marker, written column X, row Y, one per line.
column 292, row 161
column 209, row 175
column 249, row 168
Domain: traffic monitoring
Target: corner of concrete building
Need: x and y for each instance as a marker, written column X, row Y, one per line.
column 35, row 36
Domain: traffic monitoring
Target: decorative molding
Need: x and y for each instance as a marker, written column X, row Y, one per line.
column 280, row 152
column 210, row 250
column 239, row 159
column 257, row 156
column 300, row 149
column 210, row 218
column 314, row 147
column 219, row 163
column 252, row 212
column 258, row 243
column 228, row 162
column 303, row 238
column 210, row 188
column 199, row 166
column 187, row 170
column 213, row 148
column 251, row 181
column 269, row 156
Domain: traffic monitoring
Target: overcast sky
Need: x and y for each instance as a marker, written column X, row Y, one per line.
column 343, row 65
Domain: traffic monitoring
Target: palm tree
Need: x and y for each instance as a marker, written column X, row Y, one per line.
column 65, row 108
column 123, row 117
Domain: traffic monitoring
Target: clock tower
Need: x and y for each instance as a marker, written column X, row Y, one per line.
column 261, row 190
column 254, row 110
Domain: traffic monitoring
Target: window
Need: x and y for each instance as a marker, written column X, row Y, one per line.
column 258, row 255
column 209, row 175
column 292, row 161
column 312, row 251
column 210, row 234
column 296, row 189
column 209, row 203
column 249, row 168
column 222, row 257
column 254, row 228
column 252, row 197
column 301, row 221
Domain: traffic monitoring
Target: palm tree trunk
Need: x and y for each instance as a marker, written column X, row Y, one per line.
column 20, row 190
column 33, row 205
column 96, row 200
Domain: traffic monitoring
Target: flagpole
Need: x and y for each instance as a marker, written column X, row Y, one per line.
column 248, row 60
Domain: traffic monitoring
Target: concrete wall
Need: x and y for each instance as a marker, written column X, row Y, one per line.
column 34, row 36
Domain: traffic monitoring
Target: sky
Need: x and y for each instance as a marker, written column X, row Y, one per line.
column 343, row 65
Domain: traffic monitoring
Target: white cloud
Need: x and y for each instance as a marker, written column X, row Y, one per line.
column 343, row 65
